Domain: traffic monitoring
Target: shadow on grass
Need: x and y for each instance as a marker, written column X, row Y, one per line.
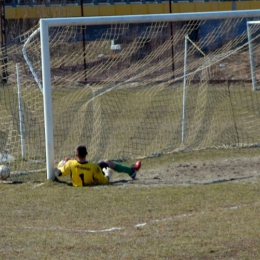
column 118, row 182
column 110, row 183
column 12, row 182
column 63, row 182
column 226, row 180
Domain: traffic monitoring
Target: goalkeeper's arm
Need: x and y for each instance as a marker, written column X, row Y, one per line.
column 58, row 172
column 61, row 168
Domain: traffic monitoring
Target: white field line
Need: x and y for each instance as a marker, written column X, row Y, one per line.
column 111, row 229
column 37, row 185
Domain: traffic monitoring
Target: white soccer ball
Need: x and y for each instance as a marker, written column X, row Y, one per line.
column 4, row 172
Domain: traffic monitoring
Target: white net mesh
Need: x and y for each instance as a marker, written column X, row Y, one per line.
column 119, row 89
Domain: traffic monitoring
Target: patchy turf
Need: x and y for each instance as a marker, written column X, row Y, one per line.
column 150, row 218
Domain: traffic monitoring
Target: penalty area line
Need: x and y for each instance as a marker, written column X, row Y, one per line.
column 112, row 229
column 64, row 229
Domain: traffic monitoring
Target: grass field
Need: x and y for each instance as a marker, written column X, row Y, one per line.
column 198, row 205
column 129, row 220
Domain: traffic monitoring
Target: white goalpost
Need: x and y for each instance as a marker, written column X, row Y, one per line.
column 252, row 28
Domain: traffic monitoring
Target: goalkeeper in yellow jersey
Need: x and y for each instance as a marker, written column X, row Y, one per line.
column 84, row 173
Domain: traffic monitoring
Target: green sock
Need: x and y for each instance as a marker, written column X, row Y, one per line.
column 122, row 168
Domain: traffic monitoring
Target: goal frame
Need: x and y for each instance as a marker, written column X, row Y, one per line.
column 46, row 23
column 251, row 55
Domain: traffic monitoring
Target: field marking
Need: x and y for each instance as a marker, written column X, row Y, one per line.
column 37, row 185
column 140, row 225
column 112, row 229
column 64, row 229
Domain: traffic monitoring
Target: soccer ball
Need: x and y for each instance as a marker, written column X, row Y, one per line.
column 4, row 172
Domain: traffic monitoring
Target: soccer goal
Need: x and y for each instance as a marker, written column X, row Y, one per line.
column 128, row 87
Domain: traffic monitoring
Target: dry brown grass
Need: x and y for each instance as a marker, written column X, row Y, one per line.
column 52, row 220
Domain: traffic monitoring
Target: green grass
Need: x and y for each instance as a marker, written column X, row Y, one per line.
column 52, row 220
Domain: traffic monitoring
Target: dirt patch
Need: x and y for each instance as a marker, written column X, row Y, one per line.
column 206, row 172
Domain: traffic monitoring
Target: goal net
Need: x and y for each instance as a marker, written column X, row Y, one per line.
column 128, row 87
column 253, row 30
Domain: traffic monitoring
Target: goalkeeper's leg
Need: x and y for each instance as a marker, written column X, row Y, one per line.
column 131, row 171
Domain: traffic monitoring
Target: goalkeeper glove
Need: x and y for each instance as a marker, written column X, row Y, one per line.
column 62, row 162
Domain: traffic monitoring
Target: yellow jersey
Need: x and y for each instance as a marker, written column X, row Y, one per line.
column 83, row 174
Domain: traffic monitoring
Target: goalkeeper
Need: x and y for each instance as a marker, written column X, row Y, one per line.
column 84, row 173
